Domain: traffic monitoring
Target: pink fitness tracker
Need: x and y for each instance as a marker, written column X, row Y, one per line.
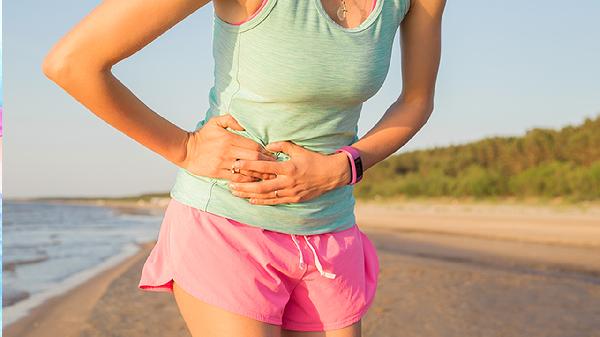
column 355, row 163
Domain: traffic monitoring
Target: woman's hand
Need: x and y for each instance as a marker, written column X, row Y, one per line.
column 211, row 151
column 304, row 176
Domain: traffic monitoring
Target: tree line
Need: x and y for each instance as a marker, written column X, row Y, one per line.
column 543, row 163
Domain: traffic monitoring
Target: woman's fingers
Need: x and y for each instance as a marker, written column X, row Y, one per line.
column 247, row 143
column 263, row 186
column 263, row 166
column 267, row 195
column 283, row 196
column 246, row 155
column 259, row 175
column 244, row 175
column 246, row 150
column 236, row 152
column 256, row 175
column 237, row 177
column 226, row 121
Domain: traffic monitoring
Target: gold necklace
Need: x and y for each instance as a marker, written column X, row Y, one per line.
column 341, row 12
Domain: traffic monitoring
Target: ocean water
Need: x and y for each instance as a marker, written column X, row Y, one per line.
column 49, row 248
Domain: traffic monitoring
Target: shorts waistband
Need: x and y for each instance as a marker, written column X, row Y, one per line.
column 317, row 262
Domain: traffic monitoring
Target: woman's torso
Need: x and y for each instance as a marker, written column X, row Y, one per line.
column 290, row 72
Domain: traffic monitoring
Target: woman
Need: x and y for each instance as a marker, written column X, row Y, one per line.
column 260, row 238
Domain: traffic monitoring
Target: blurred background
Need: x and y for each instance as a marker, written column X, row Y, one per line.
column 0, row 176
column 487, row 222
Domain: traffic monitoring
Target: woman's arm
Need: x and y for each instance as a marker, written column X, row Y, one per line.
column 81, row 64
column 420, row 39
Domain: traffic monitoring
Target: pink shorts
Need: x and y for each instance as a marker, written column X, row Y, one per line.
column 302, row 282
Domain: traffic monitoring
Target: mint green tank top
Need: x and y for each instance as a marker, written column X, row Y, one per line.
column 291, row 73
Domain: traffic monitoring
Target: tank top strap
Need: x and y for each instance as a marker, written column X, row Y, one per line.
column 262, row 5
column 257, row 17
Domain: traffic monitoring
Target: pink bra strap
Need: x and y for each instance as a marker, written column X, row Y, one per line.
column 253, row 15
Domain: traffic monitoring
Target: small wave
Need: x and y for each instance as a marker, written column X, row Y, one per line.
column 10, row 266
column 14, row 296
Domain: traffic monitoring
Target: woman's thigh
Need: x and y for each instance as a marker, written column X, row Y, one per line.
column 205, row 320
column 353, row 330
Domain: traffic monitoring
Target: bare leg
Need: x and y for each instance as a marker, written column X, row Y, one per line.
column 205, row 320
column 353, row 330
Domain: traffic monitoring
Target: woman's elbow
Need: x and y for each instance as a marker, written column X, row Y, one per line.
column 425, row 110
column 59, row 67
column 52, row 66
column 423, row 104
column 65, row 67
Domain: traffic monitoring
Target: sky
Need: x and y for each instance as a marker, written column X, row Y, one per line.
column 506, row 67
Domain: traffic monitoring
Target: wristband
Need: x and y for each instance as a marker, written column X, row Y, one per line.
column 355, row 163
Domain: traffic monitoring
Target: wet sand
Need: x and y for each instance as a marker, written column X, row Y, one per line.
column 471, row 276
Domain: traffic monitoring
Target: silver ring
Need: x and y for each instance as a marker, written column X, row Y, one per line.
column 233, row 167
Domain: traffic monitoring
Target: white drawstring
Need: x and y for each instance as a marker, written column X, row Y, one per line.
column 317, row 262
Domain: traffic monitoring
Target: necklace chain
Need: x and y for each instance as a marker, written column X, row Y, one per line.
column 341, row 12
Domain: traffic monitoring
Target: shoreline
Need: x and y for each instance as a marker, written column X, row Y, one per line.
column 65, row 313
column 155, row 207
column 22, row 308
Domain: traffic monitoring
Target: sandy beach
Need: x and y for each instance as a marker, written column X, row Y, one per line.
column 446, row 270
